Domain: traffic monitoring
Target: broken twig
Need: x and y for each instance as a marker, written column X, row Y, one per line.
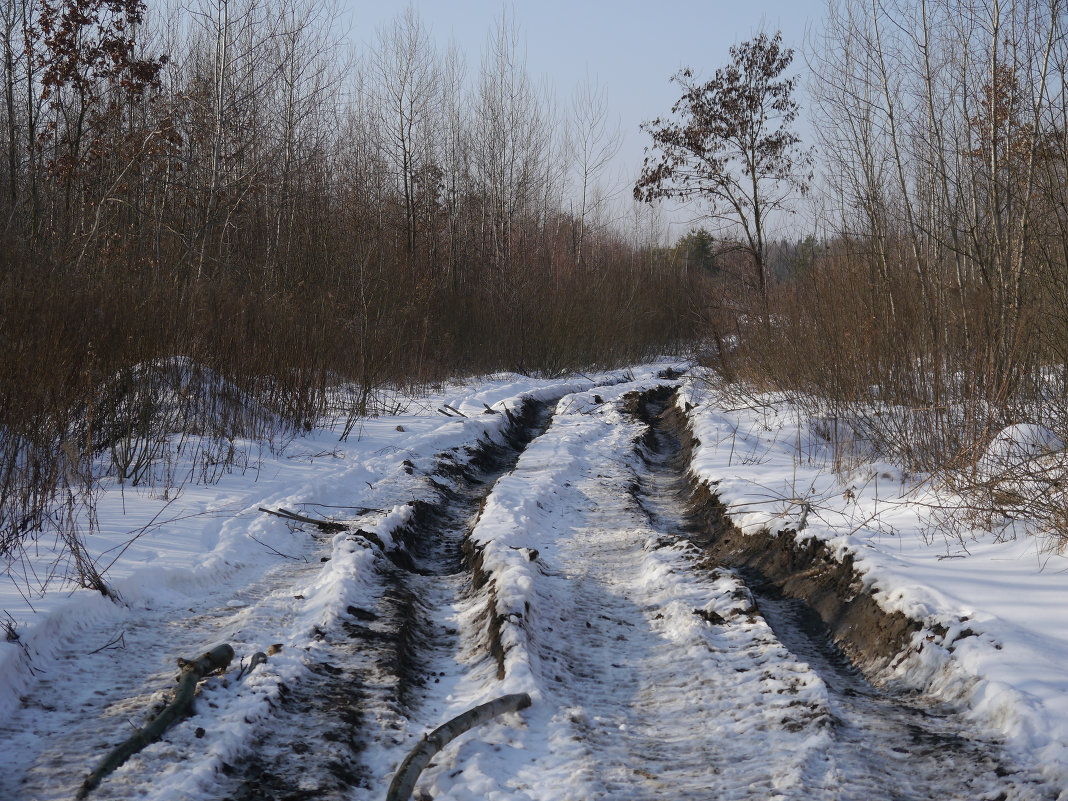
column 275, row 551
column 324, row 525
column 118, row 642
column 258, row 658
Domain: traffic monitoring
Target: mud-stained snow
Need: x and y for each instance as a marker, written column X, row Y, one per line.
column 995, row 636
column 86, row 671
column 653, row 673
column 649, row 679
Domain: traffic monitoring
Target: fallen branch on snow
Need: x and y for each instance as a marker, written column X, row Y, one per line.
column 217, row 659
column 258, row 658
column 324, row 525
column 400, row 789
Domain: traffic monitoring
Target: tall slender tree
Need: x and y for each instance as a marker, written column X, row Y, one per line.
column 731, row 145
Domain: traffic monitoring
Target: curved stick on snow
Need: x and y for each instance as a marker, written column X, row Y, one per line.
column 400, row 789
column 323, row 525
column 192, row 672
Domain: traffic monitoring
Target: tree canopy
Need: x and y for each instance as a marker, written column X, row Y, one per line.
column 730, row 143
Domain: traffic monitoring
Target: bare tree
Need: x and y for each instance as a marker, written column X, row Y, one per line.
column 307, row 67
column 732, row 144
column 510, row 140
column 595, row 141
column 229, row 73
column 20, row 50
column 856, row 168
column 455, row 157
column 9, row 41
column 407, row 80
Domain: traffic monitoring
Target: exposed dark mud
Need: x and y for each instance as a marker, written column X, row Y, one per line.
column 532, row 422
column 879, row 743
column 367, row 675
column 870, row 636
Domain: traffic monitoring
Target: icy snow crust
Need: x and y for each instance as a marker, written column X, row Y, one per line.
column 653, row 674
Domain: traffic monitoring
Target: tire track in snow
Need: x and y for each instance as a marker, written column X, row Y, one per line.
column 878, row 743
column 334, row 731
column 336, row 690
column 664, row 702
column 650, row 680
column 654, row 674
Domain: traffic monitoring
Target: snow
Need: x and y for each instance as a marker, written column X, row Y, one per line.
column 210, row 548
column 1018, row 444
column 586, row 587
column 605, row 614
column 1008, row 595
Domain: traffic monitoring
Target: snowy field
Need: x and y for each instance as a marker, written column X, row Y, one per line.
column 652, row 674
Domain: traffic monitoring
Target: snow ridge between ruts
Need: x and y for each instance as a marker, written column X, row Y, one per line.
column 515, row 517
column 369, row 471
column 569, row 492
column 519, row 516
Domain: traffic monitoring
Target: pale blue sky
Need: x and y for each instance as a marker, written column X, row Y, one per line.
column 631, row 46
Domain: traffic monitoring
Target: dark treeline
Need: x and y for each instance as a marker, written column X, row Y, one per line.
column 223, row 181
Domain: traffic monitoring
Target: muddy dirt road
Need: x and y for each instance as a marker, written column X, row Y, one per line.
column 559, row 562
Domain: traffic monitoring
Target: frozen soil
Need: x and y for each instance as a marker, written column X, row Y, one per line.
column 809, row 571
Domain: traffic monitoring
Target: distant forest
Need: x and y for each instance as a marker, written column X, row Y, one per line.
column 226, row 182
column 223, row 194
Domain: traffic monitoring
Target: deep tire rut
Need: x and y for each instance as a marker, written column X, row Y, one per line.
column 878, row 743
column 667, row 657
column 370, row 674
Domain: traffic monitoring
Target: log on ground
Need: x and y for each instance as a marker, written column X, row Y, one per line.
column 193, row 671
column 400, row 789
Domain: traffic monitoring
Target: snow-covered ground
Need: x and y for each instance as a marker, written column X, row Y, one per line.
column 652, row 674
column 1002, row 601
column 205, row 567
column 636, row 694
